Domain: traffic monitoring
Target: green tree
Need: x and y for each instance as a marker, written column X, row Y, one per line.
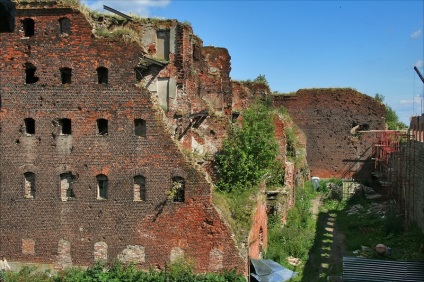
column 249, row 152
column 392, row 119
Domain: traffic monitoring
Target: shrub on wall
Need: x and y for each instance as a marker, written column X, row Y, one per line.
column 249, row 152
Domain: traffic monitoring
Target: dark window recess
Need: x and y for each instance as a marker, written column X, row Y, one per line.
column 65, row 75
column 178, row 187
column 140, row 127
column 7, row 20
column 28, row 27
column 234, row 116
column 197, row 53
column 102, row 186
column 65, row 26
column 138, row 74
column 65, row 126
column 139, row 188
column 102, row 75
column 102, row 126
column 29, row 126
column 30, row 74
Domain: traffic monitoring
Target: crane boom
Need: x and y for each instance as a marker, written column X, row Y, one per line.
column 419, row 74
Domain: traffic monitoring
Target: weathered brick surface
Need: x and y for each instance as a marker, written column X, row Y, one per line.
column 258, row 236
column 326, row 116
column 68, row 232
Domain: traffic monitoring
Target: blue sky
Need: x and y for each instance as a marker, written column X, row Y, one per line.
column 371, row 46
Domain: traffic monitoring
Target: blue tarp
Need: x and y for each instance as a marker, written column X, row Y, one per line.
column 266, row 270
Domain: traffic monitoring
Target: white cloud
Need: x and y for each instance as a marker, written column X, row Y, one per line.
column 419, row 64
column 416, row 34
column 139, row 7
column 416, row 100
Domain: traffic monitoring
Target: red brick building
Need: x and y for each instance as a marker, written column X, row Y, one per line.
column 90, row 167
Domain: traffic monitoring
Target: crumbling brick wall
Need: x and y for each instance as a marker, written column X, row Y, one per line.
column 45, row 227
column 326, row 116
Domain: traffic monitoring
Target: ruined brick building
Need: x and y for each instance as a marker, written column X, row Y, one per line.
column 89, row 168
column 95, row 114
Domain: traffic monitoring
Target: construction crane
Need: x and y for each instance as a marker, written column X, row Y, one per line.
column 419, row 74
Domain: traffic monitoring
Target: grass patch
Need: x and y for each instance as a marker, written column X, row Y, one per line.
column 179, row 271
column 296, row 238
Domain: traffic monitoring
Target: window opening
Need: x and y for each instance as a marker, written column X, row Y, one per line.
column 196, row 52
column 139, row 188
column 65, row 126
column 28, row 26
column 66, row 74
column 66, row 190
column 102, row 126
column 30, row 77
column 102, row 186
column 234, row 116
column 65, row 26
column 29, row 126
column 163, row 46
column 102, row 75
column 138, row 74
column 29, row 185
column 178, row 187
column 140, row 127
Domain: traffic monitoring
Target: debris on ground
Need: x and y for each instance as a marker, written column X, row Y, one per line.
column 369, row 193
column 294, row 261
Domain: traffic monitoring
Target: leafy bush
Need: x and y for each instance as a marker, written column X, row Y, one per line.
column 249, row 152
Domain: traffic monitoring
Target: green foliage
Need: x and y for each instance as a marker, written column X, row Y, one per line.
column 365, row 228
column 296, row 238
column 117, row 272
column 392, row 119
column 249, row 152
column 260, row 79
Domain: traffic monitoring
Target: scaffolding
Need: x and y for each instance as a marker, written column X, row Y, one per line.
column 394, row 156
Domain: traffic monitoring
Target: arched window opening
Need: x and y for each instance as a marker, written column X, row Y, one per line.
column 102, row 126
column 29, row 185
column 102, row 75
column 28, row 27
column 29, row 126
column 65, row 26
column 30, row 77
column 65, row 126
column 139, row 188
column 178, row 187
column 102, row 187
column 140, row 127
column 66, row 75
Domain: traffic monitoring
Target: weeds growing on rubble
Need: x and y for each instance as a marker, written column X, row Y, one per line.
column 367, row 223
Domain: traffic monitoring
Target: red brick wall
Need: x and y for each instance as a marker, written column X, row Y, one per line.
column 258, row 236
column 326, row 116
column 155, row 226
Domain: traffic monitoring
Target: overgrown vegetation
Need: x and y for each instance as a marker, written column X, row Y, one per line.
column 296, row 237
column 248, row 157
column 117, row 272
column 249, row 153
column 364, row 223
column 392, row 119
column 370, row 223
column 260, row 79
